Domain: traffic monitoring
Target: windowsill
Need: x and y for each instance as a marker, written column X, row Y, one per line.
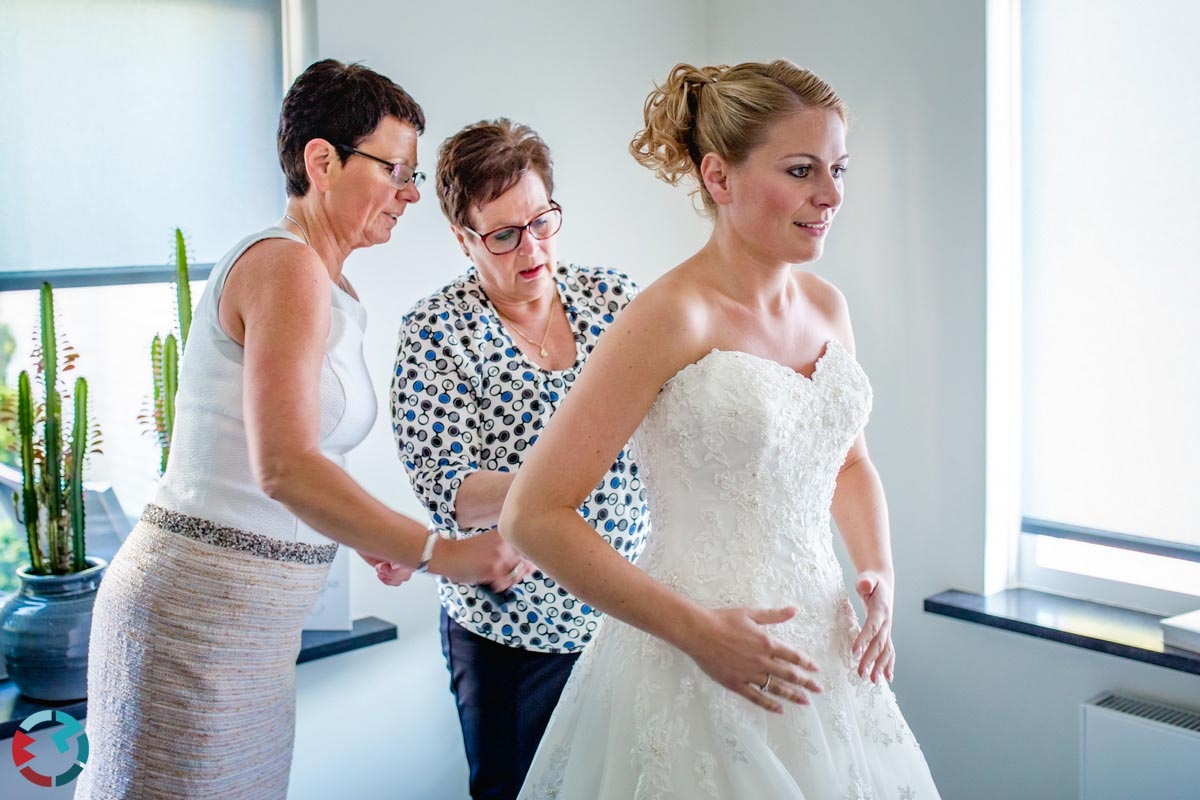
column 314, row 645
column 1120, row 632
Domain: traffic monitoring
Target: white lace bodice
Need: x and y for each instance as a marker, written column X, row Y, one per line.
column 740, row 456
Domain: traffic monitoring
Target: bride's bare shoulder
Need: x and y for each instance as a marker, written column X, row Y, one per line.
column 674, row 301
column 830, row 303
column 822, row 294
column 667, row 325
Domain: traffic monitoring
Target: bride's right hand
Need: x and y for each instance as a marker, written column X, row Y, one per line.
column 735, row 650
column 483, row 558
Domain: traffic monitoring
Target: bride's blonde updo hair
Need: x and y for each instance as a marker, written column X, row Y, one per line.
column 723, row 110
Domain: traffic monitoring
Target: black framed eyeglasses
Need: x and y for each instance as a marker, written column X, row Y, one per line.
column 399, row 174
column 505, row 240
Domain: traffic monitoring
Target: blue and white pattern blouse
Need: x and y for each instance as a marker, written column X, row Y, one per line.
column 465, row 398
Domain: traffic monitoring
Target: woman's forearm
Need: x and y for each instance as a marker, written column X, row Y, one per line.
column 564, row 546
column 327, row 499
column 860, row 510
column 481, row 497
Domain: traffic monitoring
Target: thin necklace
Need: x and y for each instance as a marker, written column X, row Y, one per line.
column 541, row 346
column 296, row 222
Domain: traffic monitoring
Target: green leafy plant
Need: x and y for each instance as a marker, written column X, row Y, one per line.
column 50, row 505
column 10, row 544
column 165, row 352
column 8, row 400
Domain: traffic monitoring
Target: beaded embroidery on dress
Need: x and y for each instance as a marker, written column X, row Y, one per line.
column 740, row 457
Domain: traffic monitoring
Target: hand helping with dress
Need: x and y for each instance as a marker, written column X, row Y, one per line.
column 392, row 573
column 485, row 559
column 873, row 645
column 735, row 649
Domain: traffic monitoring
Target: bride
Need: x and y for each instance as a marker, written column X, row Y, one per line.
column 735, row 375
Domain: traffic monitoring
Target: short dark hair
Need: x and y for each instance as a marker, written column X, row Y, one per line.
column 485, row 160
column 341, row 103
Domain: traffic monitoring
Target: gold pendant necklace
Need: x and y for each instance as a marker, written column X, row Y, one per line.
column 541, row 346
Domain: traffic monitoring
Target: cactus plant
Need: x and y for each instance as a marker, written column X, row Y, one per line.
column 29, row 504
column 159, row 419
column 51, row 501
column 183, row 289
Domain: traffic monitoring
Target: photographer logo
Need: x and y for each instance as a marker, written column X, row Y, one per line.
column 71, row 731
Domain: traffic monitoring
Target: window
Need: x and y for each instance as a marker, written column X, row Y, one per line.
column 122, row 120
column 1102, row 100
column 114, row 355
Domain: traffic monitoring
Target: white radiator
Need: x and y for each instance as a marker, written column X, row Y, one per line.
column 1136, row 749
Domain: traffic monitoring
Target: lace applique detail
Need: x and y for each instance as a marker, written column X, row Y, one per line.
column 547, row 786
column 841, row 720
column 856, row 788
column 706, row 775
column 802, row 744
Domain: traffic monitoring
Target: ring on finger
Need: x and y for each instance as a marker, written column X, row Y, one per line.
column 512, row 573
column 765, row 683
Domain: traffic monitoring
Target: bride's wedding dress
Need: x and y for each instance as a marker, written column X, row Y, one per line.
column 740, row 456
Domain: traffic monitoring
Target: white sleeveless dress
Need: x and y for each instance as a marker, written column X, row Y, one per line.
column 196, row 628
column 740, row 458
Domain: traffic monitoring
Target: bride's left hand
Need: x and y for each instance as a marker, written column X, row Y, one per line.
column 873, row 646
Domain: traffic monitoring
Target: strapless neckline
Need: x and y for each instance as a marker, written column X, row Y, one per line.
column 831, row 346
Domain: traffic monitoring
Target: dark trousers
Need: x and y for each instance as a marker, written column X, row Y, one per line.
column 505, row 696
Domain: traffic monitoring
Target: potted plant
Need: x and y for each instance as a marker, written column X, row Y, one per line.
column 165, row 351
column 46, row 625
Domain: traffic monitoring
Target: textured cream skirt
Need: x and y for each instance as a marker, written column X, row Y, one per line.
column 192, row 663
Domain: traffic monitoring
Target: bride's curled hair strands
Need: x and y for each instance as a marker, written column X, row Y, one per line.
column 723, row 110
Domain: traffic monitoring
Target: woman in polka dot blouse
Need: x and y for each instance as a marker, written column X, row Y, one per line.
column 481, row 366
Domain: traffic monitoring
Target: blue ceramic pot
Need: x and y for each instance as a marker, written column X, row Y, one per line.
column 45, row 628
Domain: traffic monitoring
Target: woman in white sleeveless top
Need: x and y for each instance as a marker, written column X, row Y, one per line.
column 191, row 680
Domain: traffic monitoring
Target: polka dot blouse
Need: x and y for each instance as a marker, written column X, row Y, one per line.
column 465, row 398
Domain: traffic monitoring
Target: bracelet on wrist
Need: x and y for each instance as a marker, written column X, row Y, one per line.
column 427, row 551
